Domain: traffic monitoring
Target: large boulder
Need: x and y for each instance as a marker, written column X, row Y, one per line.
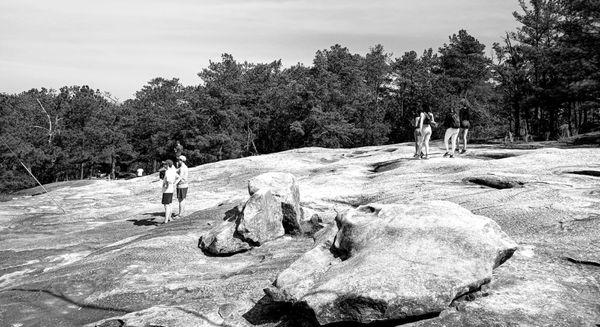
column 261, row 219
column 395, row 262
column 285, row 188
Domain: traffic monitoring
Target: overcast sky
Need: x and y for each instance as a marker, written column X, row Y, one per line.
column 119, row 45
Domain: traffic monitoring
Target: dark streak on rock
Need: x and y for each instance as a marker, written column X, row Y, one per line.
column 583, row 262
column 112, row 323
column 386, row 323
column 471, row 294
column 593, row 173
column 496, row 156
column 69, row 300
column 386, row 166
column 358, row 201
column 495, row 182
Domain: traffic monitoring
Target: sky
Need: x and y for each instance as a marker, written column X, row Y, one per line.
column 119, row 45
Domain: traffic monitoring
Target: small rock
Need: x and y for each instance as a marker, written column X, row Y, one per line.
column 222, row 241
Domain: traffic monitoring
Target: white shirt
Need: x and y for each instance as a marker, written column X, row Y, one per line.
column 183, row 173
column 169, row 181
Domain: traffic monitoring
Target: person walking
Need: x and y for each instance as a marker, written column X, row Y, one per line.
column 426, row 119
column 452, row 124
column 465, row 122
column 171, row 179
column 182, row 186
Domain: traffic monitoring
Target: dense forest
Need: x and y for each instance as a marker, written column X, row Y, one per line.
column 543, row 81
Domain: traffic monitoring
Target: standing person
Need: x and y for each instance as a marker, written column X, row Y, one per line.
column 182, row 186
column 426, row 119
column 452, row 124
column 417, row 134
column 465, row 122
column 178, row 150
column 171, row 179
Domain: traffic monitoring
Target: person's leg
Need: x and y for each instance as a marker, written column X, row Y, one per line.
column 454, row 137
column 167, row 199
column 181, row 207
column 417, row 141
column 167, row 213
column 181, row 195
column 465, row 133
column 421, row 145
column 447, row 136
column 176, row 194
column 426, row 138
column 459, row 137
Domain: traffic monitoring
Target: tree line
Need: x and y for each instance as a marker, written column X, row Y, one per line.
column 543, row 79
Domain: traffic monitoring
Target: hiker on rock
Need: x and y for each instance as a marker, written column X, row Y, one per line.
column 171, row 179
column 452, row 125
column 426, row 120
column 178, row 149
column 417, row 134
column 465, row 122
column 182, row 186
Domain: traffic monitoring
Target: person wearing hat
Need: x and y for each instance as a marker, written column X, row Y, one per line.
column 182, row 187
column 169, row 181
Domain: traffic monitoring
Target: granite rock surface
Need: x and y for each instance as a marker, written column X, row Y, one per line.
column 108, row 259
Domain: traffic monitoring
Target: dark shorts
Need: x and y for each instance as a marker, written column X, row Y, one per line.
column 181, row 193
column 465, row 124
column 167, row 198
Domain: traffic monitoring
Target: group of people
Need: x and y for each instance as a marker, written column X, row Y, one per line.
column 455, row 123
column 175, row 180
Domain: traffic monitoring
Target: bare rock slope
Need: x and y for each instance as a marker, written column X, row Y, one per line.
column 107, row 261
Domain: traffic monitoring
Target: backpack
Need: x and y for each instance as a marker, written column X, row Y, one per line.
column 452, row 120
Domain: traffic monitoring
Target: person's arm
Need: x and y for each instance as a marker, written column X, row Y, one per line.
column 421, row 116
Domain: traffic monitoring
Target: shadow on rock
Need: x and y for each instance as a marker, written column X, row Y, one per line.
column 145, row 222
column 286, row 314
column 497, row 182
column 494, row 155
column 385, row 323
column 380, row 167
